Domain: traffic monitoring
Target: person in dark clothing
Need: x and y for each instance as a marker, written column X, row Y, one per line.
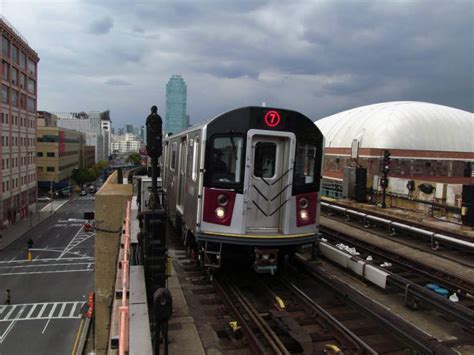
column 9, row 297
column 219, row 166
column 30, row 243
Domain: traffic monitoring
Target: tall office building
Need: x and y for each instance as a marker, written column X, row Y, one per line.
column 18, row 125
column 88, row 123
column 176, row 119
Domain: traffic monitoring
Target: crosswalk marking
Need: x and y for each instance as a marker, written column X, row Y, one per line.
column 10, row 312
column 85, row 198
column 40, row 314
column 27, row 311
column 73, row 309
column 51, row 313
column 30, row 312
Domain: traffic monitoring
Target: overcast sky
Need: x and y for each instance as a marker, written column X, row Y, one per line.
column 317, row 57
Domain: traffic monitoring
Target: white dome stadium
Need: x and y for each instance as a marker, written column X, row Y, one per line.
column 401, row 125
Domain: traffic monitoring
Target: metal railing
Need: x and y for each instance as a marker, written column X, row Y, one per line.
column 125, row 263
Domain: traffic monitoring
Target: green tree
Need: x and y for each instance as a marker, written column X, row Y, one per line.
column 133, row 158
column 84, row 176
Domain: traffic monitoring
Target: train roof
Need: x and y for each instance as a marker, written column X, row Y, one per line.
column 236, row 111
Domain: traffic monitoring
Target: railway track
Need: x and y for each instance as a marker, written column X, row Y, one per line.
column 319, row 315
column 412, row 278
column 458, row 253
column 302, row 316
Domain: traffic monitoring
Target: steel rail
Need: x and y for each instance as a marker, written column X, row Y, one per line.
column 396, row 223
column 450, row 280
column 461, row 314
column 350, row 336
column 254, row 342
column 275, row 341
column 407, row 333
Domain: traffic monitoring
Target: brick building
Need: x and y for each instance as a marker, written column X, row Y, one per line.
column 429, row 143
column 18, row 125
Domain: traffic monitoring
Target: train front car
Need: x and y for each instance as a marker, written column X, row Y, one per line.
column 261, row 186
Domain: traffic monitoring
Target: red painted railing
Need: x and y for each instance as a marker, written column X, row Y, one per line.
column 124, row 309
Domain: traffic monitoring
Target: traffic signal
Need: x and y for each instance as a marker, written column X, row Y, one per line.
column 386, row 161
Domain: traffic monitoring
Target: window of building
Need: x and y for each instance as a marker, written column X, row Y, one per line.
column 5, row 70
column 23, row 101
column 5, row 93
column 31, row 67
column 15, row 98
column 5, row 47
column 14, row 54
column 31, row 104
column 14, row 76
column 22, row 60
column 50, row 168
column 39, row 154
column 50, row 154
column 40, row 169
column 22, row 80
column 31, row 86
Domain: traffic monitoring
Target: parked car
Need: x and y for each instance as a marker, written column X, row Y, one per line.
column 83, row 193
column 44, row 199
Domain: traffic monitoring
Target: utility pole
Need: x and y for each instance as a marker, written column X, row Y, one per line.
column 385, row 170
column 51, row 192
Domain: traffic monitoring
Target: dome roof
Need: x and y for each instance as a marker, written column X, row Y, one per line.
column 401, row 125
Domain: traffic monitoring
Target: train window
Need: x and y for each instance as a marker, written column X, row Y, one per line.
column 174, row 148
column 304, row 164
column 226, row 158
column 265, row 156
column 195, row 159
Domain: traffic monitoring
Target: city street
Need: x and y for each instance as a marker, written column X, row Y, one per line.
column 49, row 292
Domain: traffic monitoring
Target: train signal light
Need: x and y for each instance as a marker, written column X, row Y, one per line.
column 386, row 161
column 154, row 133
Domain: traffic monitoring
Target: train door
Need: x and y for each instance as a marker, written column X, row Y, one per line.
column 181, row 174
column 268, row 181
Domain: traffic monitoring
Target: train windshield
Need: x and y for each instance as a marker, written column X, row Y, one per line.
column 305, row 164
column 226, row 157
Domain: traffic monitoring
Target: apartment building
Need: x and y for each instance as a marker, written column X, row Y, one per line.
column 59, row 152
column 19, row 64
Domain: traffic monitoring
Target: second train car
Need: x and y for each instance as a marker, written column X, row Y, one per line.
column 245, row 182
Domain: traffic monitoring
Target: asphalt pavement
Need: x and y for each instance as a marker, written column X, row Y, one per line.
column 49, row 290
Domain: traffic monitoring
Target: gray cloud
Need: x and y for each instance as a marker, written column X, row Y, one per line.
column 316, row 57
column 117, row 82
column 101, row 26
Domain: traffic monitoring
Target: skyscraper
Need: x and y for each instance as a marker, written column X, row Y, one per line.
column 176, row 119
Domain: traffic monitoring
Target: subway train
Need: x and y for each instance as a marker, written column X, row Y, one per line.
column 245, row 185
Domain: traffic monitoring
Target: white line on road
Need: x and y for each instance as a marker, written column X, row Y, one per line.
column 13, row 258
column 33, row 307
column 42, row 310
column 49, row 320
column 45, row 265
column 44, row 272
column 82, row 257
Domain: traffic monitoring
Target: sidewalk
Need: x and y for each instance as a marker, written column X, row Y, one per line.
column 17, row 230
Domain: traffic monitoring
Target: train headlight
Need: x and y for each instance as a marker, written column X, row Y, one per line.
column 220, row 212
column 304, row 215
column 222, row 200
column 303, row 202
